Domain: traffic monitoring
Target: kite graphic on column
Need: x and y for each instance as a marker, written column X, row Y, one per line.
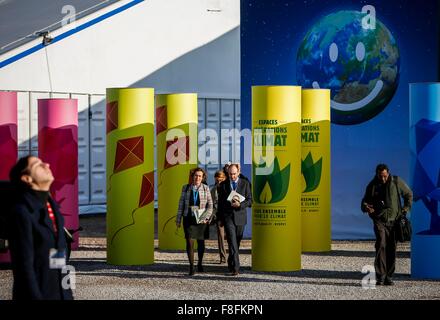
column 129, row 153
column 176, row 136
column 161, row 119
column 146, row 197
column 130, row 176
column 112, row 116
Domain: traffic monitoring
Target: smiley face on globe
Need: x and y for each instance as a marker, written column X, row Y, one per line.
column 359, row 65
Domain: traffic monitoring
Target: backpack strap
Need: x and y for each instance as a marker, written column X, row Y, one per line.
column 395, row 179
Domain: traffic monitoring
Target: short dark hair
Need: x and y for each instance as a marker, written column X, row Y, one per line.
column 381, row 167
column 219, row 174
column 225, row 168
column 18, row 170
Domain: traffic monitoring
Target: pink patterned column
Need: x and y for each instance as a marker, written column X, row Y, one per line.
column 58, row 146
column 8, row 142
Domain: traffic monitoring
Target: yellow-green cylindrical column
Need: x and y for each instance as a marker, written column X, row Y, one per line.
column 176, row 137
column 315, row 168
column 130, row 176
column 276, row 209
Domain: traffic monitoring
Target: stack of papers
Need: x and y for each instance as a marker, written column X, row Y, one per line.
column 200, row 215
column 235, row 195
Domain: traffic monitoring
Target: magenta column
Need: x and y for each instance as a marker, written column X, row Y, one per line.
column 58, row 146
column 8, row 142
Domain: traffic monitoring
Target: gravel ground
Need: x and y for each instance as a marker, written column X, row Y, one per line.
column 330, row 276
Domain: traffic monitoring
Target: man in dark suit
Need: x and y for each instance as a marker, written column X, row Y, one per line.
column 233, row 213
column 37, row 238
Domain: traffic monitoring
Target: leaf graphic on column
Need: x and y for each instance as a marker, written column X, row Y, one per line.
column 311, row 172
column 259, row 182
column 277, row 182
column 266, row 194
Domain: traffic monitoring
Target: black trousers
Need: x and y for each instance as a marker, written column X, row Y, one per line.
column 234, row 234
column 190, row 250
column 385, row 262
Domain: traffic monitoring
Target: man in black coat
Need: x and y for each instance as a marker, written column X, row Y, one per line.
column 382, row 202
column 36, row 231
column 233, row 213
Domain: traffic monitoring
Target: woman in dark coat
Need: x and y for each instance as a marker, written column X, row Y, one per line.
column 36, row 231
column 195, row 195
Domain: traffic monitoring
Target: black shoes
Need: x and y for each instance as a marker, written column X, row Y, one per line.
column 385, row 282
column 199, row 268
column 380, row 281
column 191, row 270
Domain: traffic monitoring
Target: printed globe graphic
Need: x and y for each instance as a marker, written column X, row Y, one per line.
column 360, row 65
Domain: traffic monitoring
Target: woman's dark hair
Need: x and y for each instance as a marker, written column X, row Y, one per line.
column 193, row 171
column 18, row 170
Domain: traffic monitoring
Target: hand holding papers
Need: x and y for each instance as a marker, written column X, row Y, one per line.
column 200, row 214
column 235, row 198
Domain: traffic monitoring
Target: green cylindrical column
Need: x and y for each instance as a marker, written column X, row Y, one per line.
column 276, row 211
column 315, row 168
column 176, row 130
column 130, row 176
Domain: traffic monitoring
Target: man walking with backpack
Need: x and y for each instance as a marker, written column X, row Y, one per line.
column 383, row 204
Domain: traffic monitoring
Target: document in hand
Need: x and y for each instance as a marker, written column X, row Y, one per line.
column 234, row 195
column 200, row 215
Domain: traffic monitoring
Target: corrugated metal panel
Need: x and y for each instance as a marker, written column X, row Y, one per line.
column 23, row 153
column 236, row 148
column 83, row 149
column 227, row 133
column 213, row 122
column 23, row 129
column 97, row 151
column 34, row 117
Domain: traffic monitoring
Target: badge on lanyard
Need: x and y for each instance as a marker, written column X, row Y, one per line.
column 57, row 259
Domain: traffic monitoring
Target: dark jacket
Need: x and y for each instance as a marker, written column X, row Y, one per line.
column 31, row 237
column 385, row 198
column 239, row 215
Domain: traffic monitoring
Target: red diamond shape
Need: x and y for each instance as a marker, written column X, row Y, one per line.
column 161, row 119
column 129, row 153
column 112, row 116
column 147, row 189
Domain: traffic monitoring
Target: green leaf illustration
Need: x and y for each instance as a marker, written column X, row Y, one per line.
column 266, row 194
column 311, row 172
column 273, row 187
column 259, row 182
